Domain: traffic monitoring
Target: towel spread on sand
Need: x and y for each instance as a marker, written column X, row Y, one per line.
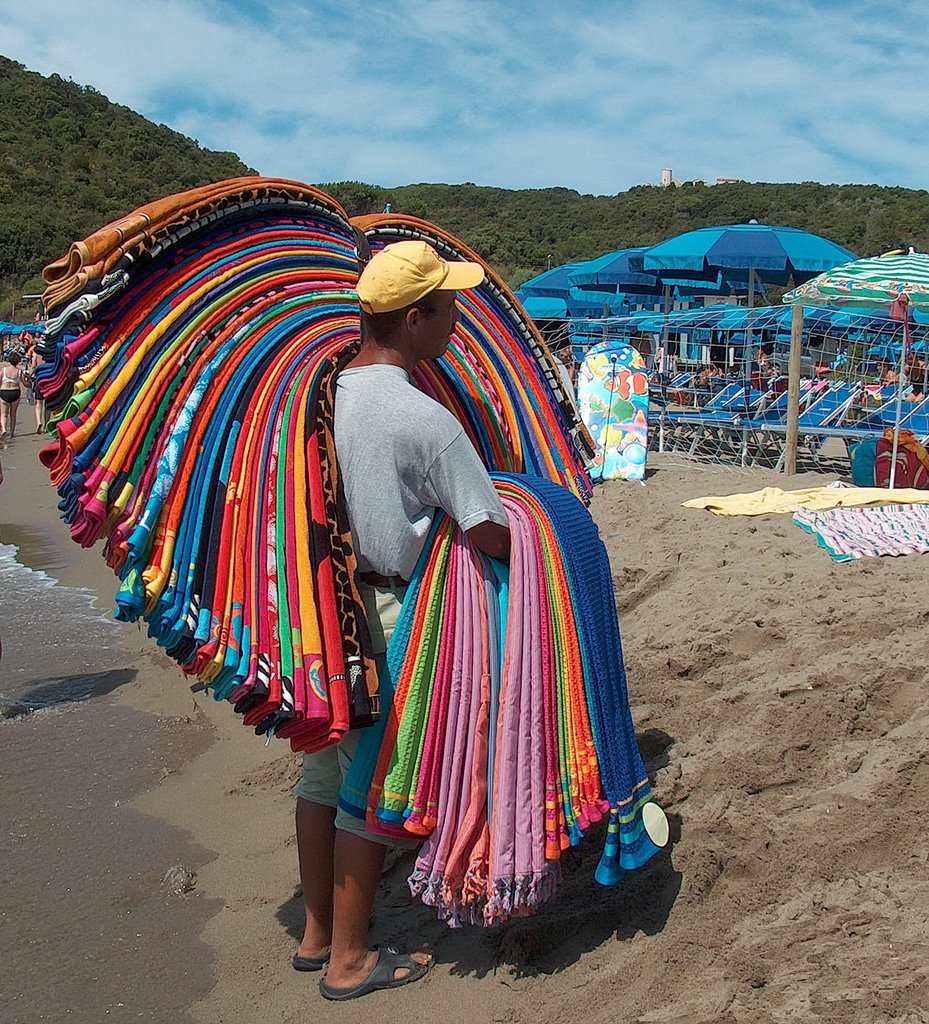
column 773, row 499
column 849, row 533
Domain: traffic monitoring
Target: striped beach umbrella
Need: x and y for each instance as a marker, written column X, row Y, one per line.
column 895, row 282
column 873, row 283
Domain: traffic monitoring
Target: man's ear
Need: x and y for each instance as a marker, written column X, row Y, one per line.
column 413, row 318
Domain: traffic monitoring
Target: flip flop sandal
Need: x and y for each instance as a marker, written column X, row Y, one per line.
column 310, row 963
column 381, row 977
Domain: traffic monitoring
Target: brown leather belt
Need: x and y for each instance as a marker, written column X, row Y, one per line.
column 375, row 579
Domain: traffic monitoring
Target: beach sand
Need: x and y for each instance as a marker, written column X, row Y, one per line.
column 780, row 703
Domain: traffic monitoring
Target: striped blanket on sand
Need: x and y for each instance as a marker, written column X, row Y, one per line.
column 848, row 533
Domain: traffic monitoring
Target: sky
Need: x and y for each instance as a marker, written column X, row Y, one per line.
column 592, row 95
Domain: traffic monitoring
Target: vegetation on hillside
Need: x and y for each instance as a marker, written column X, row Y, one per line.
column 521, row 232
column 70, row 161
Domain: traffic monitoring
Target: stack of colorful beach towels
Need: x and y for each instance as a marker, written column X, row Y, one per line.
column 508, row 732
column 191, row 353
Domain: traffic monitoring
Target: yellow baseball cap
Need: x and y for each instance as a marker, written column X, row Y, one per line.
column 402, row 273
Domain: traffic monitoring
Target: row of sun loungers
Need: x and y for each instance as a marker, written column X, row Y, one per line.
column 751, row 425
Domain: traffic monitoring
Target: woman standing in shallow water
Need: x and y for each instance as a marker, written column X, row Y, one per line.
column 10, row 393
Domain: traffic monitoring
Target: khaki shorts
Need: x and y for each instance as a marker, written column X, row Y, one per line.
column 324, row 771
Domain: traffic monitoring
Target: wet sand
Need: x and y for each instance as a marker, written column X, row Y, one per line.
column 88, row 929
column 780, row 703
column 90, row 933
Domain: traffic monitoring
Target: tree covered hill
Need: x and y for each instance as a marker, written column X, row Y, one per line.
column 517, row 231
column 70, row 161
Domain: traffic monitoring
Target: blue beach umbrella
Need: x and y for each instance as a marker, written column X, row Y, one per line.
column 622, row 271
column 614, row 270
column 756, row 251
column 551, row 284
column 542, row 308
column 768, row 253
column 15, row 330
column 583, row 302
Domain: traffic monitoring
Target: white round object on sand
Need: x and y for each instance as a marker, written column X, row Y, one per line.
column 656, row 824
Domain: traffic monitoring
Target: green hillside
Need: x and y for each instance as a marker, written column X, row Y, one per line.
column 517, row 231
column 70, row 161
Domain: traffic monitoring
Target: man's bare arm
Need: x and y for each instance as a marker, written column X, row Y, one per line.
column 491, row 538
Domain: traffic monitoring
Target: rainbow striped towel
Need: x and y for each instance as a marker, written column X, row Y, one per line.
column 848, row 533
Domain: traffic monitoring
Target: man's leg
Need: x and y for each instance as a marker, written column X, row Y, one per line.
column 359, row 860
column 315, row 841
column 358, row 864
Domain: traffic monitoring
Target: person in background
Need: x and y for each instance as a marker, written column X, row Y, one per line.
column 917, row 373
column 38, row 402
column 914, row 389
column 709, row 376
column 666, row 362
column 765, row 365
column 32, row 360
column 10, row 394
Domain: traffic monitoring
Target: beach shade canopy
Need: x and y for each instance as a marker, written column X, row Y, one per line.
column 552, row 284
column 770, row 254
column 623, row 271
column 889, row 352
column 734, row 322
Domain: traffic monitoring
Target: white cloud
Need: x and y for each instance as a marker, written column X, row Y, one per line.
column 597, row 98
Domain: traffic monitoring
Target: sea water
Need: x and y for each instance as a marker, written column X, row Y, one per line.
column 57, row 644
column 88, row 932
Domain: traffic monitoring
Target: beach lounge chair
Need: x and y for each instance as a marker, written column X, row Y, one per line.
column 826, row 413
column 662, row 392
column 914, row 418
column 754, row 428
column 918, row 421
column 761, row 430
column 717, row 432
column 680, row 425
column 714, row 401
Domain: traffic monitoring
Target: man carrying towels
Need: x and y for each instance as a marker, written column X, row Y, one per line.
column 401, row 457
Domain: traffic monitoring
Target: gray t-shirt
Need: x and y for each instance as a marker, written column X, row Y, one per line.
column 402, row 456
